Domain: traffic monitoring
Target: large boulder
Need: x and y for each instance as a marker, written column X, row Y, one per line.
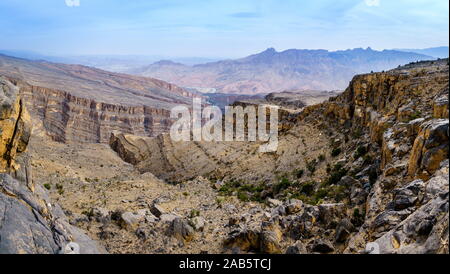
column 430, row 149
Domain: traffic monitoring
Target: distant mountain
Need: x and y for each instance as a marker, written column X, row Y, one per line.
column 116, row 63
column 272, row 71
column 437, row 52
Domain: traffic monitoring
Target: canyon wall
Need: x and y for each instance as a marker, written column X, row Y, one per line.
column 30, row 223
column 68, row 118
column 82, row 104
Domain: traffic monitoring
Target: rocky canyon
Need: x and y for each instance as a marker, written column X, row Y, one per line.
column 85, row 157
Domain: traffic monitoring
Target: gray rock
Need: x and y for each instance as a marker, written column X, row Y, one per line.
column 101, row 215
column 274, row 202
column 130, row 221
column 297, row 248
column 294, row 206
column 28, row 225
column 181, row 230
column 168, row 218
column 343, row 230
column 322, row 246
column 198, row 223
column 157, row 210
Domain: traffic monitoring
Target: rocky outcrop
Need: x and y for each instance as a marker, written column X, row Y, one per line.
column 15, row 125
column 395, row 130
column 29, row 221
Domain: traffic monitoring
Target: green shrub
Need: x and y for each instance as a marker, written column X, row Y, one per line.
column 307, row 188
column 48, row 186
column 321, row 158
column 194, row 213
column 360, row 151
column 299, row 173
column 335, row 152
column 311, row 166
column 282, row 185
column 243, row 196
column 335, row 175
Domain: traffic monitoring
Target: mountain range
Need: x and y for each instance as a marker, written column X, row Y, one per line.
column 273, row 71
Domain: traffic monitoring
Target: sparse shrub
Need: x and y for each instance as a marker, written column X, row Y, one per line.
column 307, row 188
column 321, row 158
column 335, row 175
column 47, row 186
column 282, row 185
column 360, row 151
column 311, row 166
column 243, row 196
column 194, row 213
column 335, row 152
column 357, row 133
column 299, row 173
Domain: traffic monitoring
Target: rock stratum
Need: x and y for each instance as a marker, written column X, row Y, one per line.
column 364, row 172
column 29, row 222
column 82, row 104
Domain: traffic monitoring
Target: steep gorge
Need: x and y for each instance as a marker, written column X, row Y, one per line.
column 367, row 167
column 82, row 104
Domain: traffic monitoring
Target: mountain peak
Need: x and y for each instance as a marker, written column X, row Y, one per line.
column 269, row 50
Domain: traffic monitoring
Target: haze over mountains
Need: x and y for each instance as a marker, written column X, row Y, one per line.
column 273, row 71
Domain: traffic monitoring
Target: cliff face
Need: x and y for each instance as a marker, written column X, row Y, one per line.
column 395, row 130
column 29, row 221
column 15, row 125
column 82, row 104
column 68, row 118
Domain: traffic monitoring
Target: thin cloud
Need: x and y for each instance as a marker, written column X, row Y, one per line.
column 372, row 3
column 245, row 15
column 72, row 3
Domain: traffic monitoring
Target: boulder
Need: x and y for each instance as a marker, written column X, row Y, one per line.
column 130, row 221
column 157, row 210
column 198, row 223
column 297, row 248
column 321, row 246
column 181, row 230
column 270, row 238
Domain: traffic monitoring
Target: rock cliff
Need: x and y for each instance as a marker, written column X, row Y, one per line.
column 82, row 104
column 29, row 221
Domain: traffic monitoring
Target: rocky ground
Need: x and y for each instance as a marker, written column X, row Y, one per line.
column 366, row 171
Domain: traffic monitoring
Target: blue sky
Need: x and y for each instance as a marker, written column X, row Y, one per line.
column 218, row 28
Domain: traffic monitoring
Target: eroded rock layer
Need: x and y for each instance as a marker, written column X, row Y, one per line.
column 29, row 222
column 82, row 104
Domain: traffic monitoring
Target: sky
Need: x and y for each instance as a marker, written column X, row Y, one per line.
column 218, row 28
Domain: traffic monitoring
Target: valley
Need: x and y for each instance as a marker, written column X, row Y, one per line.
column 365, row 166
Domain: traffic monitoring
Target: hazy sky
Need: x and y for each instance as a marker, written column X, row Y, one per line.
column 218, row 28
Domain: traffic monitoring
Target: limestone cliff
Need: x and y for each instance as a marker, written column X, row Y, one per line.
column 29, row 221
column 81, row 104
column 15, row 125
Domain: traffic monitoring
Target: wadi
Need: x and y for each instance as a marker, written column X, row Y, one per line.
column 293, row 151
